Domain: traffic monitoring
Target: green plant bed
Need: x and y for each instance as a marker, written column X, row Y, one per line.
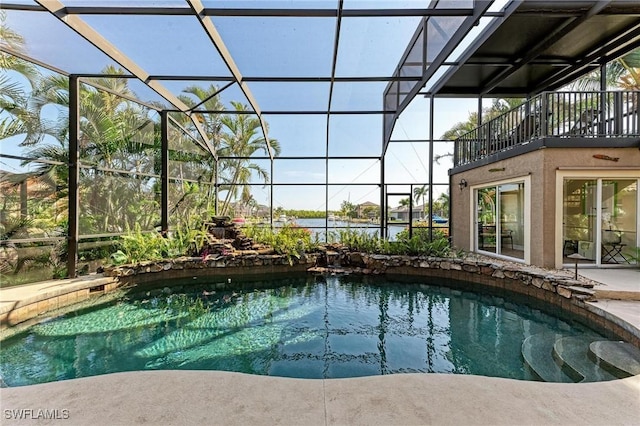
column 420, row 243
column 289, row 240
column 41, row 273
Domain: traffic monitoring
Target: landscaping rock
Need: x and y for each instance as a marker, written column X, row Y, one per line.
column 336, row 259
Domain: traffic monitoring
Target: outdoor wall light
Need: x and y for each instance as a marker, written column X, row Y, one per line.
column 463, row 184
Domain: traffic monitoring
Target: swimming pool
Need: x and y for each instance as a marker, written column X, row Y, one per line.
column 307, row 327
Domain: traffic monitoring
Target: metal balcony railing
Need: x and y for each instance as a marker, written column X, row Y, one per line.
column 610, row 114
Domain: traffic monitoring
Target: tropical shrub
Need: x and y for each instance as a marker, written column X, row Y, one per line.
column 360, row 240
column 138, row 246
column 186, row 241
column 418, row 245
column 421, row 231
column 290, row 240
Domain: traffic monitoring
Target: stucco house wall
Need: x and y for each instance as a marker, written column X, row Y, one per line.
column 541, row 165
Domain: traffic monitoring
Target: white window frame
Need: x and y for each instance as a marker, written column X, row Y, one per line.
column 473, row 218
column 595, row 174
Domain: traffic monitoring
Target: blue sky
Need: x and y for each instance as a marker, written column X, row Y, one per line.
column 269, row 47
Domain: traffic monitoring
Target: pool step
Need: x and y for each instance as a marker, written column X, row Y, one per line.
column 619, row 358
column 571, row 353
column 537, row 352
column 555, row 357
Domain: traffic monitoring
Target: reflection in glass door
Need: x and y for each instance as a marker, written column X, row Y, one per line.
column 619, row 221
column 579, row 219
column 500, row 219
column 512, row 219
column 486, row 211
column 600, row 220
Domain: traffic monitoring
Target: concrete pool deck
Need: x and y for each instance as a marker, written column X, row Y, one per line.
column 199, row 398
column 209, row 397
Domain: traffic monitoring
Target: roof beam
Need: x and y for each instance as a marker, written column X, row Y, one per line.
column 292, row 112
column 90, row 82
column 259, row 79
column 268, row 12
column 475, row 45
column 23, row 7
column 253, row 12
column 536, row 50
column 216, row 39
column 28, row 58
column 623, row 42
column 479, row 10
column 496, row 61
column 345, row 13
column 334, row 63
column 83, row 29
column 214, row 94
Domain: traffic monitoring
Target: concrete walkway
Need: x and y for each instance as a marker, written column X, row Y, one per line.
column 209, row 397
column 617, row 292
column 218, row 398
column 615, row 283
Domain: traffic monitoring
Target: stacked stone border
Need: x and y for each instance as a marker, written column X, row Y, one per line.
column 558, row 291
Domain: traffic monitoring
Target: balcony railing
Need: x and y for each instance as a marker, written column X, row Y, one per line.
column 611, row 114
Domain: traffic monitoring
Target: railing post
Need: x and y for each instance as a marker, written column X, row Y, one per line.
column 636, row 112
column 543, row 130
column 488, row 141
column 604, row 105
column 473, row 150
column 603, row 113
column 618, row 111
column 456, row 146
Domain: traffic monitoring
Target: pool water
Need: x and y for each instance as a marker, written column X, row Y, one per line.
column 311, row 327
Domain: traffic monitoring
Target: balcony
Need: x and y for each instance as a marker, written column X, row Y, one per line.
column 555, row 120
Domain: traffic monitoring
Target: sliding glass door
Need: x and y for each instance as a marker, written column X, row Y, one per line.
column 600, row 220
column 500, row 219
column 579, row 219
column 618, row 221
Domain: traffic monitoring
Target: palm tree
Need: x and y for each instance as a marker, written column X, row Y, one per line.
column 15, row 106
column 498, row 107
column 404, row 202
column 8, row 39
column 461, row 128
column 623, row 73
column 631, row 64
column 419, row 193
column 441, row 205
column 54, row 172
column 21, row 118
column 115, row 134
column 197, row 97
column 240, row 139
column 487, row 205
column 250, row 206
